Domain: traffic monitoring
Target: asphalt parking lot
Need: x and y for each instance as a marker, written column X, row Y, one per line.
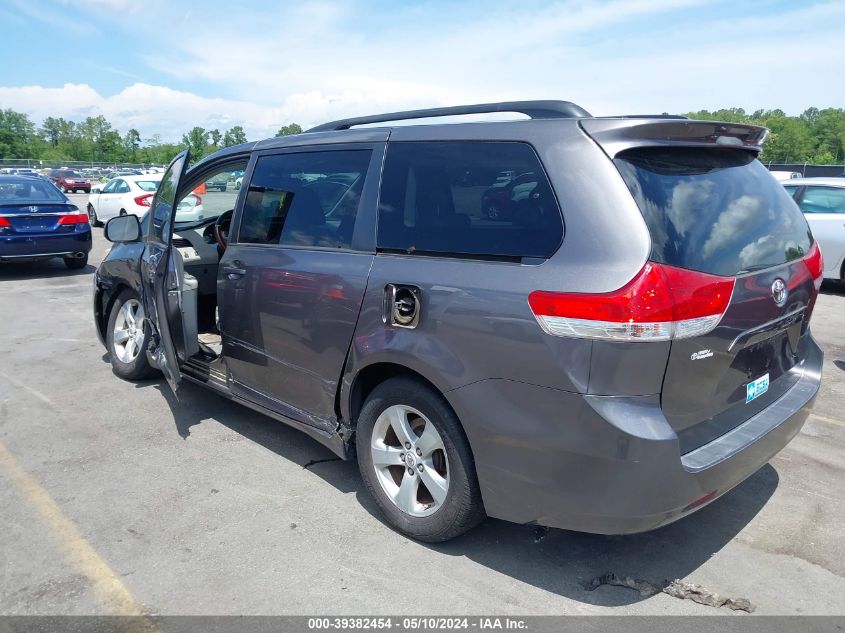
column 118, row 498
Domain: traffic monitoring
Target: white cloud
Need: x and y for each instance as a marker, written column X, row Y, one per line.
column 157, row 109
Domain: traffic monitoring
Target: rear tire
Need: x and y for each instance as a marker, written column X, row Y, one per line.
column 128, row 362
column 76, row 263
column 439, row 458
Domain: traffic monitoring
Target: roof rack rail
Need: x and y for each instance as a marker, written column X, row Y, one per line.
column 534, row 109
column 646, row 116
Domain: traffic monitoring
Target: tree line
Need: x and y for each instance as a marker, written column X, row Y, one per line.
column 96, row 140
column 815, row 136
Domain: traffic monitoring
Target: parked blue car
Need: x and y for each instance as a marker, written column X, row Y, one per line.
column 37, row 222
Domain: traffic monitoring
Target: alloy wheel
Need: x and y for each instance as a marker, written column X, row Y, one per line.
column 410, row 461
column 128, row 335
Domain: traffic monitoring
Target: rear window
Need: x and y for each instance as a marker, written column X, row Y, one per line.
column 478, row 199
column 148, row 185
column 713, row 210
column 29, row 192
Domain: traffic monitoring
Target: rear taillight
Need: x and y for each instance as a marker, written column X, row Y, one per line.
column 74, row 218
column 144, row 201
column 815, row 264
column 4, row 223
column 659, row 304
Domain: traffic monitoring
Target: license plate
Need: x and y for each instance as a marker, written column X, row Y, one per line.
column 756, row 388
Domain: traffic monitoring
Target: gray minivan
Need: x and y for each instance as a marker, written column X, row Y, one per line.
column 628, row 342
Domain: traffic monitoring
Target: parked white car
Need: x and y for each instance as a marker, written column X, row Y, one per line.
column 785, row 175
column 823, row 202
column 134, row 194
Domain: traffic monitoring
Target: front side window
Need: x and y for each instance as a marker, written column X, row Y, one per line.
column 823, row 200
column 467, row 198
column 110, row 187
column 121, row 186
column 307, row 199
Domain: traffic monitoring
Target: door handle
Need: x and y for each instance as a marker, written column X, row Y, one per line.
column 233, row 271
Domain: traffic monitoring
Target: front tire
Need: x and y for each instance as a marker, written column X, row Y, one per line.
column 416, row 462
column 127, row 337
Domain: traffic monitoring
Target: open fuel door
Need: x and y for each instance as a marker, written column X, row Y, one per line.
column 158, row 270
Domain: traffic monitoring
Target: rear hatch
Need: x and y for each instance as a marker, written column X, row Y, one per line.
column 713, row 208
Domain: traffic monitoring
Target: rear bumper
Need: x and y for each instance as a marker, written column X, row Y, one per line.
column 611, row 465
column 44, row 246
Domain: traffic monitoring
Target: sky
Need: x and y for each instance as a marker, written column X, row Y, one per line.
column 164, row 66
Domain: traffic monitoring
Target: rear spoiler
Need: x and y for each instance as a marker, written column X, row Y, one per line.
column 620, row 134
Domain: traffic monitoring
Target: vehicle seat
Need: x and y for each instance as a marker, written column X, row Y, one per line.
column 305, row 224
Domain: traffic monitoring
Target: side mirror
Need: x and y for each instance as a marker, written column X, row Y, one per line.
column 123, row 228
column 96, row 190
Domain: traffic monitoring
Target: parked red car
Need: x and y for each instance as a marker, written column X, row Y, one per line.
column 68, row 180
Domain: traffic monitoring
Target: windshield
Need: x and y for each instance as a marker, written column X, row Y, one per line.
column 71, row 174
column 714, row 210
column 29, row 192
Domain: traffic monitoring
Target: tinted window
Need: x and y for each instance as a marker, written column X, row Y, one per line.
column 147, row 185
column 110, row 186
column 304, row 199
column 164, row 201
column 467, row 198
column 121, row 187
column 823, row 200
column 28, row 192
column 713, row 210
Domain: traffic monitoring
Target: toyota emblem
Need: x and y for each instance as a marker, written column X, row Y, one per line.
column 779, row 291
